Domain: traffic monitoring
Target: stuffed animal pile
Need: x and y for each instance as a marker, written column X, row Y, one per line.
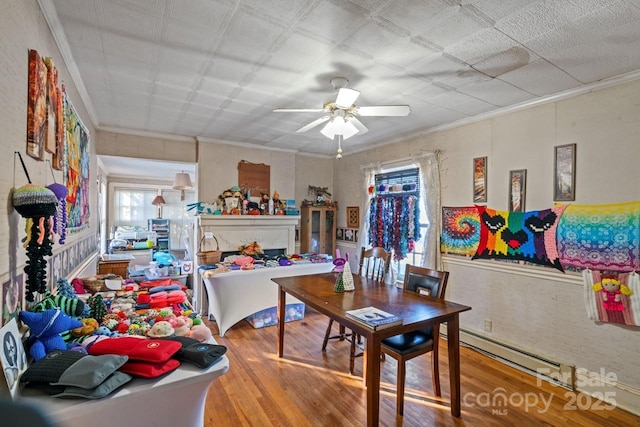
column 153, row 309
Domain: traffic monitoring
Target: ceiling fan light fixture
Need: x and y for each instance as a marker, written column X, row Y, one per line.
column 338, row 126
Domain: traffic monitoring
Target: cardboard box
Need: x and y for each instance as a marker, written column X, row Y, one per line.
column 269, row 316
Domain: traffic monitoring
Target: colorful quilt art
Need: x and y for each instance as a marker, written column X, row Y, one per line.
column 526, row 236
column 601, row 237
column 76, row 168
column 597, row 237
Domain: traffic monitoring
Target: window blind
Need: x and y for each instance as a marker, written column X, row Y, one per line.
column 404, row 181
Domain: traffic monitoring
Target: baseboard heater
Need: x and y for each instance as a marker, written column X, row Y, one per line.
column 555, row 372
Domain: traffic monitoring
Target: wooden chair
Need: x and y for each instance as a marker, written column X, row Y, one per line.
column 374, row 264
column 403, row 347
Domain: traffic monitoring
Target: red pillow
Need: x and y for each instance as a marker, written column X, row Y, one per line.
column 149, row 370
column 141, row 349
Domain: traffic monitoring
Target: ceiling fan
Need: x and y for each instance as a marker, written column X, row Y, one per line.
column 341, row 117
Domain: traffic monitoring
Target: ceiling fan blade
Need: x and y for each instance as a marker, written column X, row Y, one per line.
column 362, row 129
column 313, row 124
column 298, row 110
column 346, row 97
column 384, row 110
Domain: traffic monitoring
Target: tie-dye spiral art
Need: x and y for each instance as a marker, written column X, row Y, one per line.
column 460, row 230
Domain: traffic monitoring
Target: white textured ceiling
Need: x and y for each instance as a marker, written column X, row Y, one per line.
column 216, row 69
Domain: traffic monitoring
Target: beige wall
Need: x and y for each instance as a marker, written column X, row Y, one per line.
column 145, row 147
column 540, row 312
column 534, row 308
column 23, row 27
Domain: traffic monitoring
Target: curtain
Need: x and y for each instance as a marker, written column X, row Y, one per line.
column 429, row 164
column 368, row 173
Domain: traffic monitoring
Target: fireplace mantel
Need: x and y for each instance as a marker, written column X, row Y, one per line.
column 233, row 231
column 269, row 231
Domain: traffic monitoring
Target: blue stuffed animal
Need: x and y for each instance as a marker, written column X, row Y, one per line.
column 45, row 328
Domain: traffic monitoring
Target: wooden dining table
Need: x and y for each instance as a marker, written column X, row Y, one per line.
column 416, row 311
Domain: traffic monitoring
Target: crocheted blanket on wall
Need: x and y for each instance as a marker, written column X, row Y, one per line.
column 601, row 237
column 523, row 236
column 612, row 298
column 460, row 230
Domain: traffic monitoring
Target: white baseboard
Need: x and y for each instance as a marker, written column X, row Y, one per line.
column 605, row 386
column 604, row 389
column 556, row 372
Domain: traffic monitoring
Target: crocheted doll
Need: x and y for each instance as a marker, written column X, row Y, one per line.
column 36, row 204
column 612, row 291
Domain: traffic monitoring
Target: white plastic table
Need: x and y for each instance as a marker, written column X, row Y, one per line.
column 176, row 399
column 236, row 294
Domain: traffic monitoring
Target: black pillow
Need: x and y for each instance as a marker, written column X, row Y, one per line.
column 50, row 368
column 197, row 353
column 203, row 355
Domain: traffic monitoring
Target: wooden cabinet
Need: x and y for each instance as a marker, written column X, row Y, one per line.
column 318, row 230
column 114, row 267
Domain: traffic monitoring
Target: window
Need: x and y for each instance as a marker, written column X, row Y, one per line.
column 405, row 180
column 133, row 208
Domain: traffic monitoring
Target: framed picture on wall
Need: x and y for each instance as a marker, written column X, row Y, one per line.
column 564, row 169
column 517, row 190
column 480, row 180
column 353, row 217
column 36, row 106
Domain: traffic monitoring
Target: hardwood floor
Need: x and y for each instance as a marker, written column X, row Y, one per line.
column 311, row 388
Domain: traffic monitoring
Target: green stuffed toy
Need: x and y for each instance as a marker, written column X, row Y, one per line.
column 45, row 328
column 71, row 306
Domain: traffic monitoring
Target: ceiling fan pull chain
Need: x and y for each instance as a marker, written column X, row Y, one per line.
column 339, row 138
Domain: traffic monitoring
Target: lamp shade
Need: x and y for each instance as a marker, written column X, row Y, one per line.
column 182, row 181
column 158, row 201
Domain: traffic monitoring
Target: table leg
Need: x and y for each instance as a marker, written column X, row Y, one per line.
column 453, row 339
column 372, row 379
column 281, row 310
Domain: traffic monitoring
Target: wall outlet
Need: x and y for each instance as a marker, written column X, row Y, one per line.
column 487, row 325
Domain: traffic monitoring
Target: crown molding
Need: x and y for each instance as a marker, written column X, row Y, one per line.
column 51, row 16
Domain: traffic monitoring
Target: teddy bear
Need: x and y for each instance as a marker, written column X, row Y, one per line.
column 45, row 328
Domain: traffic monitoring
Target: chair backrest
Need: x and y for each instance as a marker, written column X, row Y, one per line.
column 425, row 281
column 374, row 263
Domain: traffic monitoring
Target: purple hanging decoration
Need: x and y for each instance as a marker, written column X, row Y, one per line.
column 60, row 222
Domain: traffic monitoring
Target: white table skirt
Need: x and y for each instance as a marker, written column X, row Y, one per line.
column 176, row 399
column 237, row 294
